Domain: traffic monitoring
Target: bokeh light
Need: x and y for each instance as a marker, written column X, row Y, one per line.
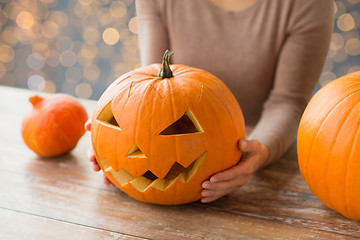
column 6, row 53
column 91, row 35
column 25, row 20
column 111, row 36
column 8, row 35
column 79, row 47
column 36, row 82
column 2, row 70
column 345, row 22
column 73, row 74
column 133, row 25
column 344, row 51
column 70, row 46
column 352, row 47
column 35, row 61
column 83, row 90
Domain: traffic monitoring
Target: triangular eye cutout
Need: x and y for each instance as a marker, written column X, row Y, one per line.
column 135, row 152
column 185, row 125
column 106, row 116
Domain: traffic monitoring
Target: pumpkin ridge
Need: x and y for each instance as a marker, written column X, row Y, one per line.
column 123, row 79
column 338, row 105
column 330, row 203
column 328, row 157
column 136, row 123
column 201, row 92
column 152, row 85
column 354, row 141
column 318, row 131
column 224, row 105
column 34, row 136
column 174, row 117
column 65, row 137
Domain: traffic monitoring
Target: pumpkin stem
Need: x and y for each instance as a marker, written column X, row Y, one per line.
column 35, row 99
column 165, row 71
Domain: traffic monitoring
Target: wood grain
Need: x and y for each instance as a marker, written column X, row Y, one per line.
column 62, row 198
column 18, row 225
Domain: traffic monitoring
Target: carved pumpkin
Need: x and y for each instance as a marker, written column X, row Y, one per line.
column 329, row 145
column 54, row 125
column 158, row 138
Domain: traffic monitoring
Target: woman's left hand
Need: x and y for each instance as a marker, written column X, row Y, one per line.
column 254, row 156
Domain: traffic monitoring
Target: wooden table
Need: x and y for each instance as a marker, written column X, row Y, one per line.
column 63, row 198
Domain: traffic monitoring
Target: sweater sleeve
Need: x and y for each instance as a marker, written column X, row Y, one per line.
column 153, row 34
column 299, row 67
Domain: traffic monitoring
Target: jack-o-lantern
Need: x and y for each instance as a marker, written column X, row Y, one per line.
column 159, row 131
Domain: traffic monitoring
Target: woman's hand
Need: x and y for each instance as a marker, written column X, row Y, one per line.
column 255, row 155
column 91, row 155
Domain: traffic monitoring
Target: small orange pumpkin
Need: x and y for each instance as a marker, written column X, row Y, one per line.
column 329, row 145
column 159, row 136
column 54, row 125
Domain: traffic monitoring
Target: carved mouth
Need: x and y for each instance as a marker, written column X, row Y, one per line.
column 149, row 179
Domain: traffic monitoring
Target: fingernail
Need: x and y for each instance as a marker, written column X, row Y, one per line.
column 96, row 167
column 243, row 145
column 214, row 180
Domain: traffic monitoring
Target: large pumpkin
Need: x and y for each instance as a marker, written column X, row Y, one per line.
column 329, row 145
column 54, row 125
column 158, row 137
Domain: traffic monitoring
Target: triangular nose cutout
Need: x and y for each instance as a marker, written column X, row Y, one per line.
column 135, row 152
column 185, row 125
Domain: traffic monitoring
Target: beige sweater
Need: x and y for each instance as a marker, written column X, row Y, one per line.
column 270, row 54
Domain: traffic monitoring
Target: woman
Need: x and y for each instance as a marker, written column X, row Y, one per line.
column 270, row 53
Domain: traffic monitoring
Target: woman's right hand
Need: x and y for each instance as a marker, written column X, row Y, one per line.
column 91, row 156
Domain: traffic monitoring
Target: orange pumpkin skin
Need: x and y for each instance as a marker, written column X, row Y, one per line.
column 54, row 125
column 329, row 145
column 143, row 106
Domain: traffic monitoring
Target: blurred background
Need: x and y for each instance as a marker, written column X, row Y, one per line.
column 79, row 47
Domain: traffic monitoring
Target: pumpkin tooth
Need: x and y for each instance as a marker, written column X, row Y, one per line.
column 162, row 183
column 141, row 183
column 159, row 184
column 186, row 173
column 183, row 175
column 109, row 169
column 122, row 176
column 192, row 169
column 177, row 172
